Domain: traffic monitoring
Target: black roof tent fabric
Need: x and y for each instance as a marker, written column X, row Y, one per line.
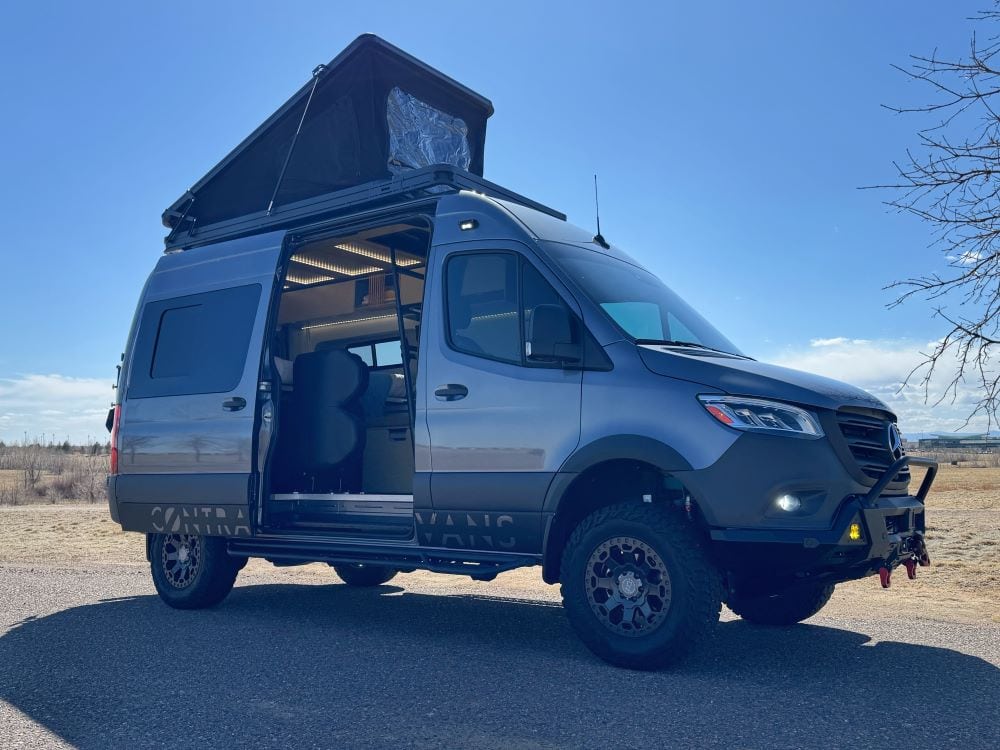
column 375, row 111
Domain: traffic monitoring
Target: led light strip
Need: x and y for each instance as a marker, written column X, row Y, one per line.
column 366, row 251
column 323, row 265
column 345, row 322
column 495, row 316
column 307, row 280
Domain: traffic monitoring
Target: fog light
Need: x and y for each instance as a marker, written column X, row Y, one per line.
column 854, row 532
column 789, row 503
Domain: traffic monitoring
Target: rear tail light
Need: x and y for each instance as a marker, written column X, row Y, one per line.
column 114, row 438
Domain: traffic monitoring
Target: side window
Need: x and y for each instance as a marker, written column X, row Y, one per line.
column 482, row 305
column 174, row 357
column 379, row 354
column 388, row 354
column 535, row 291
column 365, row 352
column 490, row 308
column 194, row 344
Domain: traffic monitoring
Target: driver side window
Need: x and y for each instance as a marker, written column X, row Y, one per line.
column 490, row 300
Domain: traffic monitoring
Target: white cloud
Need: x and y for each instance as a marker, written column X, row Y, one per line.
column 829, row 342
column 881, row 367
column 968, row 258
column 57, row 406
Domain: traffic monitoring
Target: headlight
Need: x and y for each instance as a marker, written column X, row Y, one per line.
column 758, row 415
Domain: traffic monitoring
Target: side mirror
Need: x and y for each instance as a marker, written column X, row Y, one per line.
column 550, row 336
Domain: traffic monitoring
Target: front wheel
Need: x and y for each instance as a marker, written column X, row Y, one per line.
column 192, row 571
column 638, row 587
column 785, row 608
column 358, row 574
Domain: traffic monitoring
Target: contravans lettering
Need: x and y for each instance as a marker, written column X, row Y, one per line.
column 208, row 520
column 472, row 530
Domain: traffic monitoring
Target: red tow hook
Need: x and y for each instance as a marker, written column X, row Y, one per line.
column 885, row 577
column 911, row 568
column 922, row 557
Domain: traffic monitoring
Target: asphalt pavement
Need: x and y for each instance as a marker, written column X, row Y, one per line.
column 90, row 658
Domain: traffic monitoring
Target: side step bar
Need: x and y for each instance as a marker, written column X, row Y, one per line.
column 479, row 565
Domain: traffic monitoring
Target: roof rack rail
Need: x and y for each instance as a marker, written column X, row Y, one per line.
column 428, row 182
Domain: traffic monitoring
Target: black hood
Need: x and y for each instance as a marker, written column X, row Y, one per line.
column 747, row 377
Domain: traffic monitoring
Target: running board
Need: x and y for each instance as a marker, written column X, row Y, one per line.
column 480, row 565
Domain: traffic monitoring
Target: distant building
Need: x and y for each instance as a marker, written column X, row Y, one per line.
column 969, row 443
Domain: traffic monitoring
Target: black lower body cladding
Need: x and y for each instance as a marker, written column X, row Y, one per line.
column 165, row 503
column 185, row 518
column 769, row 560
column 741, row 488
column 830, row 532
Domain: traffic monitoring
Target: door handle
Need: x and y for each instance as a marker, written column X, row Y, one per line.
column 451, row 392
column 234, row 404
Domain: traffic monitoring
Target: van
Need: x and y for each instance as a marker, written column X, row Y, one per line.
column 425, row 370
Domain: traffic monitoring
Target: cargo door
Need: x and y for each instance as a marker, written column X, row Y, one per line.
column 186, row 428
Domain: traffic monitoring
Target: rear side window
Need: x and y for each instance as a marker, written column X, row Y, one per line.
column 365, row 352
column 194, row 344
column 379, row 354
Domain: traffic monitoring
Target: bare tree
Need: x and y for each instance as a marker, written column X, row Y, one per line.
column 31, row 467
column 952, row 181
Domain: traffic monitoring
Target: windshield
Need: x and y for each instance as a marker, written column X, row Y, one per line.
column 642, row 305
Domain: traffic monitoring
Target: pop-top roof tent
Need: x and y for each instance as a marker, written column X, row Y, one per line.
column 373, row 125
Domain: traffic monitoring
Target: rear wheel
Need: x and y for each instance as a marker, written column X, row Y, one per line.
column 785, row 608
column 359, row 574
column 638, row 587
column 192, row 571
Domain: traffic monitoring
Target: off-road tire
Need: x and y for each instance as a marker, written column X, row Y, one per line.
column 786, row 608
column 695, row 587
column 206, row 585
column 364, row 575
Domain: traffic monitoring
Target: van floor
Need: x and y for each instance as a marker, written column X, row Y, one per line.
column 351, row 514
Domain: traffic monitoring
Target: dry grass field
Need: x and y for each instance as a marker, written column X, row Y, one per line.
column 32, row 474
column 962, row 584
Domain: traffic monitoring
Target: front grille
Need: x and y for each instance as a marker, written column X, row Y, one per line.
column 867, row 438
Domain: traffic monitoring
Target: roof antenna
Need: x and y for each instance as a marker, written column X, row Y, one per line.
column 599, row 238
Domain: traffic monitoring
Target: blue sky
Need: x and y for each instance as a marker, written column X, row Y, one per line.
column 730, row 140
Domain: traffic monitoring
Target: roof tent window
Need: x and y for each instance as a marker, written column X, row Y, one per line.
column 421, row 135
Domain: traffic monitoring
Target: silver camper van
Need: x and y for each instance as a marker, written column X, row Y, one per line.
column 356, row 350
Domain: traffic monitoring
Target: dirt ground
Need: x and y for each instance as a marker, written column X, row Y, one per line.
column 962, row 584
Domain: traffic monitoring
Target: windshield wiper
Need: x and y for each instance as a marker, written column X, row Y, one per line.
column 689, row 345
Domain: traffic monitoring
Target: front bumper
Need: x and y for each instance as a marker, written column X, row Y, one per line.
column 891, row 532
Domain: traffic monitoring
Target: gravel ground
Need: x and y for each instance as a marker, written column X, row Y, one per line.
column 90, row 658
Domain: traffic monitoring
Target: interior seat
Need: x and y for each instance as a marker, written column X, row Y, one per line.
column 330, row 428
